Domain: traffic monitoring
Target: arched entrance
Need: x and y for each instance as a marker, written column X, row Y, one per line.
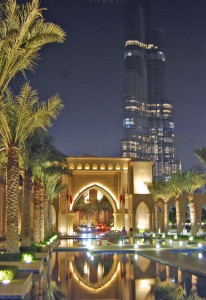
column 109, row 177
column 94, row 205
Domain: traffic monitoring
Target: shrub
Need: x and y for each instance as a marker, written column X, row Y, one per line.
column 28, row 249
column 8, row 272
column 14, row 256
column 10, row 256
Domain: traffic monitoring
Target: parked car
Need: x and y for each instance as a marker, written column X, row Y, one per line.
column 102, row 227
column 84, row 228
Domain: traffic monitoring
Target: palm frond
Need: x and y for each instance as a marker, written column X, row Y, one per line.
column 201, row 154
column 23, row 32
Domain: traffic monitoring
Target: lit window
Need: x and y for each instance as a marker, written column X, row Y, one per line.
column 94, row 167
column 71, row 166
column 110, row 167
column 102, row 167
column 117, row 167
column 87, row 167
column 79, row 167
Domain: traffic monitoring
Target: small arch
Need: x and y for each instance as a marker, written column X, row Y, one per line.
column 102, row 167
column 87, row 166
column 79, row 166
column 110, row 167
column 125, row 167
column 117, row 167
column 142, row 217
column 94, row 167
column 71, row 166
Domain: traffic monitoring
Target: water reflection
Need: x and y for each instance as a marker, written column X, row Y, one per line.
column 82, row 275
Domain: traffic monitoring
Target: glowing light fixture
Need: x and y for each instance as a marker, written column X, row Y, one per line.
column 6, row 281
column 27, row 258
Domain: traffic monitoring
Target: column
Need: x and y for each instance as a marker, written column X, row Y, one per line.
column 118, row 221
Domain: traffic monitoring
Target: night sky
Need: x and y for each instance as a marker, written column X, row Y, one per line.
column 87, row 72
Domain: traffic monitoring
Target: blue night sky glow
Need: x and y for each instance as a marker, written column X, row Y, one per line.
column 87, row 72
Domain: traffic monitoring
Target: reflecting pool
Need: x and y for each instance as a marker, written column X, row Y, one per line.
column 84, row 275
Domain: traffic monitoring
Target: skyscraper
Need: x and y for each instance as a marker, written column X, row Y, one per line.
column 148, row 113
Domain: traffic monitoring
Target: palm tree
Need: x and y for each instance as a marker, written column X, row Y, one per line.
column 165, row 192
column 38, row 153
column 48, row 166
column 191, row 182
column 53, row 188
column 154, row 189
column 23, row 32
column 19, row 117
column 176, row 184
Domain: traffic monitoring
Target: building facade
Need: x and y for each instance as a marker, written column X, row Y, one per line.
column 148, row 114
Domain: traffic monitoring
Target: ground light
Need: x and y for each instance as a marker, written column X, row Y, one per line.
column 157, row 246
column 199, row 245
column 6, row 275
column 200, row 255
column 6, row 281
column 27, row 258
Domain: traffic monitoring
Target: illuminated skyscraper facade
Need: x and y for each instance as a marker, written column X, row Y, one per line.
column 148, row 113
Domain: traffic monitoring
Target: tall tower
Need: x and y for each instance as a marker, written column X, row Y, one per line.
column 148, row 113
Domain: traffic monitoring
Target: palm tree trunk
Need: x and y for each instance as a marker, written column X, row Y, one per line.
column 41, row 212
column 193, row 215
column 26, row 215
column 46, row 217
column 50, row 217
column 12, row 200
column 178, row 216
column 166, row 216
column 156, row 217
column 36, row 214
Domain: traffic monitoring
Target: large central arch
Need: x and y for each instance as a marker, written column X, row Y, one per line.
column 112, row 199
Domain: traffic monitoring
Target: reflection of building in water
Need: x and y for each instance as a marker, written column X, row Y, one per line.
column 121, row 277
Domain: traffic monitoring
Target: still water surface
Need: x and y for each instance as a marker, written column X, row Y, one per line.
column 84, row 276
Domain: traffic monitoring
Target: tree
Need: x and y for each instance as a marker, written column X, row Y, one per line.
column 191, row 182
column 54, row 187
column 154, row 188
column 48, row 165
column 19, row 117
column 165, row 192
column 39, row 150
column 176, row 185
column 23, row 32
